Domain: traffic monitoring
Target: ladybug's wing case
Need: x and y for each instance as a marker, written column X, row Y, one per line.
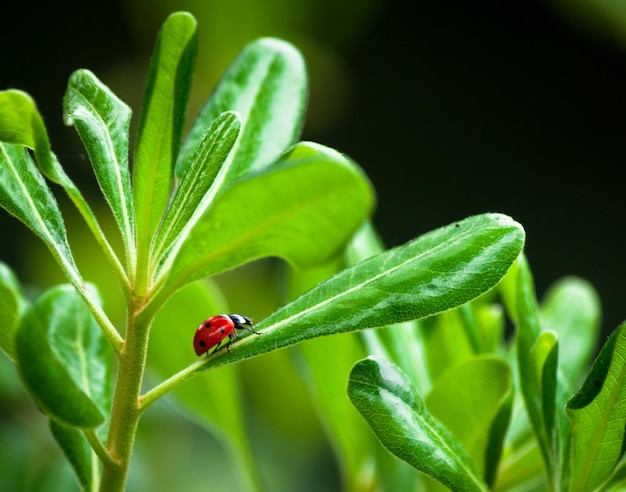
column 211, row 332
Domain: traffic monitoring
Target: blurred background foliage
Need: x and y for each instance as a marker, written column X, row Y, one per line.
column 451, row 108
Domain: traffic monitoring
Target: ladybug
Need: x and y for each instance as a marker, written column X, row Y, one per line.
column 214, row 330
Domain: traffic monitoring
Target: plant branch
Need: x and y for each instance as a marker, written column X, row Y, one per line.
column 109, row 330
column 90, row 219
column 169, row 384
column 98, row 446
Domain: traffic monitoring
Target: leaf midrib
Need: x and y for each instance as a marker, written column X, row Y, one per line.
column 119, row 185
column 304, row 312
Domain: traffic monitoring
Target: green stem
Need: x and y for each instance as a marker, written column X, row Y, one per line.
column 90, row 219
column 125, row 410
column 109, row 330
column 169, row 384
column 98, row 446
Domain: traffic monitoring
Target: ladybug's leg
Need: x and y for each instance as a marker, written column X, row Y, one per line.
column 231, row 336
column 219, row 346
column 249, row 328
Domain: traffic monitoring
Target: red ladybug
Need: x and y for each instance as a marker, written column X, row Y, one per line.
column 214, row 330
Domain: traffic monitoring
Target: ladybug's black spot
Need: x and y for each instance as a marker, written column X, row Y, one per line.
column 222, row 330
column 207, row 325
column 202, row 343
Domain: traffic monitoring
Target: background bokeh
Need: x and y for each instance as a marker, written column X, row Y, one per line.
column 452, row 109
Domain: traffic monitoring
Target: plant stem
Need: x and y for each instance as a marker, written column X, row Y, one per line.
column 169, row 384
column 96, row 444
column 125, row 411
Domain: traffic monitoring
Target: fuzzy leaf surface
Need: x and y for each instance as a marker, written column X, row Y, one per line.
column 302, row 209
column 267, row 86
column 401, row 344
column 598, row 416
column 26, row 196
column 206, row 161
column 390, row 404
column 433, row 273
column 102, row 121
column 161, row 123
column 64, row 360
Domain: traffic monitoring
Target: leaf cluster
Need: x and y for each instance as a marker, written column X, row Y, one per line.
column 436, row 383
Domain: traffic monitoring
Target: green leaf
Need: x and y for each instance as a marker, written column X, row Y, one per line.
column 544, row 358
column 213, row 400
column 617, row 481
column 25, row 195
column 303, row 209
column 12, row 307
column 364, row 463
column 328, row 364
column 325, row 364
column 64, row 360
column 531, row 359
column 446, row 342
column 402, row 343
column 488, row 322
column 78, row 452
column 193, row 189
column 598, row 416
column 161, row 124
column 102, row 121
column 479, row 389
column 22, row 125
column 267, row 85
column 388, row 401
column 571, row 309
column 496, row 439
column 433, row 273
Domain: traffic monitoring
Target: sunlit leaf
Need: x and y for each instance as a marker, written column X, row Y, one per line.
column 161, row 124
column 303, row 209
column 25, row 195
column 21, row 124
column 192, row 193
column 433, row 273
column 401, row 343
column 267, row 86
column 102, row 120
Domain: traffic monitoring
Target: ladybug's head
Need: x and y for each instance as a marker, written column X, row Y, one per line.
column 240, row 320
